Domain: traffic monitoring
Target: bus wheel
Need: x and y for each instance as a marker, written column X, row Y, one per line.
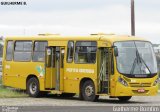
column 124, row 98
column 88, row 91
column 33, row 87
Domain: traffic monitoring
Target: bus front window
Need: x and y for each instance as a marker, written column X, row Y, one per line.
column 136, row 59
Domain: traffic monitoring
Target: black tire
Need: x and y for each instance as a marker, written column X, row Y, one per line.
column 33, row 87
column 67, row 94
column 124, row 98
column 88, row 91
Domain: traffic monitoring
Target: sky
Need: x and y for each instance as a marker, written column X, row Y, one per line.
column 80, row 17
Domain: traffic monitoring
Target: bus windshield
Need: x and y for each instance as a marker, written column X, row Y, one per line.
column 136, row 58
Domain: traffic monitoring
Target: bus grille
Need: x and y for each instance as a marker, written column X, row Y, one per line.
column 140, row 84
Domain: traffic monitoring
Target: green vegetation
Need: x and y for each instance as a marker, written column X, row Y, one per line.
column 0, row 81
column 6, row 92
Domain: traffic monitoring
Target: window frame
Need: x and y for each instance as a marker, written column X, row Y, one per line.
column 86, row 52
column 72, row 53
column 31, row 51
column 11, row 50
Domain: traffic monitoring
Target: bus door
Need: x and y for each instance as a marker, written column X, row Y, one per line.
column 54, row 68
column 105, row 70
column 59, row 68
column 50, row 67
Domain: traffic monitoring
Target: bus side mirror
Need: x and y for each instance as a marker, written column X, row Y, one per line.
column 115, row 51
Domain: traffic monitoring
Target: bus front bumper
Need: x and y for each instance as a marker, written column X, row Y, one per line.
column 122, row 90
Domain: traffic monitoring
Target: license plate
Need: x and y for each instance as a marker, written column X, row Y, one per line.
column 141, row 90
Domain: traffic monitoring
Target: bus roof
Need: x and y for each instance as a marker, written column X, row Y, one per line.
column 109, row 38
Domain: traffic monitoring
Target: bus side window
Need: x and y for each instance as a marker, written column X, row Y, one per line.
column 39, row 51
column 23, row 50
column 70, row 50
column 9, row 52
column 85, row 52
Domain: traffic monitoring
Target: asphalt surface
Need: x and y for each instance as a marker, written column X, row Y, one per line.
column 59, row 101
column 59, row 104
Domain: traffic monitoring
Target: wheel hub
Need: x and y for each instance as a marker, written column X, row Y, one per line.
column 89, row 90
column 33, row 88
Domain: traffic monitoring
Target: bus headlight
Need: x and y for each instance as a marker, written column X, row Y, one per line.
column 122, row 81
column 156, row 82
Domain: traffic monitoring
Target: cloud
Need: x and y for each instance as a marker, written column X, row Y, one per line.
column 80, row 17
column 79, row 21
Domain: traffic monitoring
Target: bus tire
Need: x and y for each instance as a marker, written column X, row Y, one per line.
column 88, row 91
column 33, row 87
column 124, row 98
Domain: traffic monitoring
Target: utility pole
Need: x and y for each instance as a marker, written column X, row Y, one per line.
column 132, row 18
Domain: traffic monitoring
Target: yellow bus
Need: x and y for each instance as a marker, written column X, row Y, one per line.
column 89, row 66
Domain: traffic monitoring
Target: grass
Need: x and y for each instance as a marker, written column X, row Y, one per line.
column 6, row 92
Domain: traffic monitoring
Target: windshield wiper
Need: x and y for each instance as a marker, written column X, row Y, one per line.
column 138, row 60
column 145, row 64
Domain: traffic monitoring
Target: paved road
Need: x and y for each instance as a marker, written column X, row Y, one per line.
column 50, row 103
column 58, row 101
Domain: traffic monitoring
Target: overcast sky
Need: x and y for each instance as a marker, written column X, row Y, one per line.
column 81, row 17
